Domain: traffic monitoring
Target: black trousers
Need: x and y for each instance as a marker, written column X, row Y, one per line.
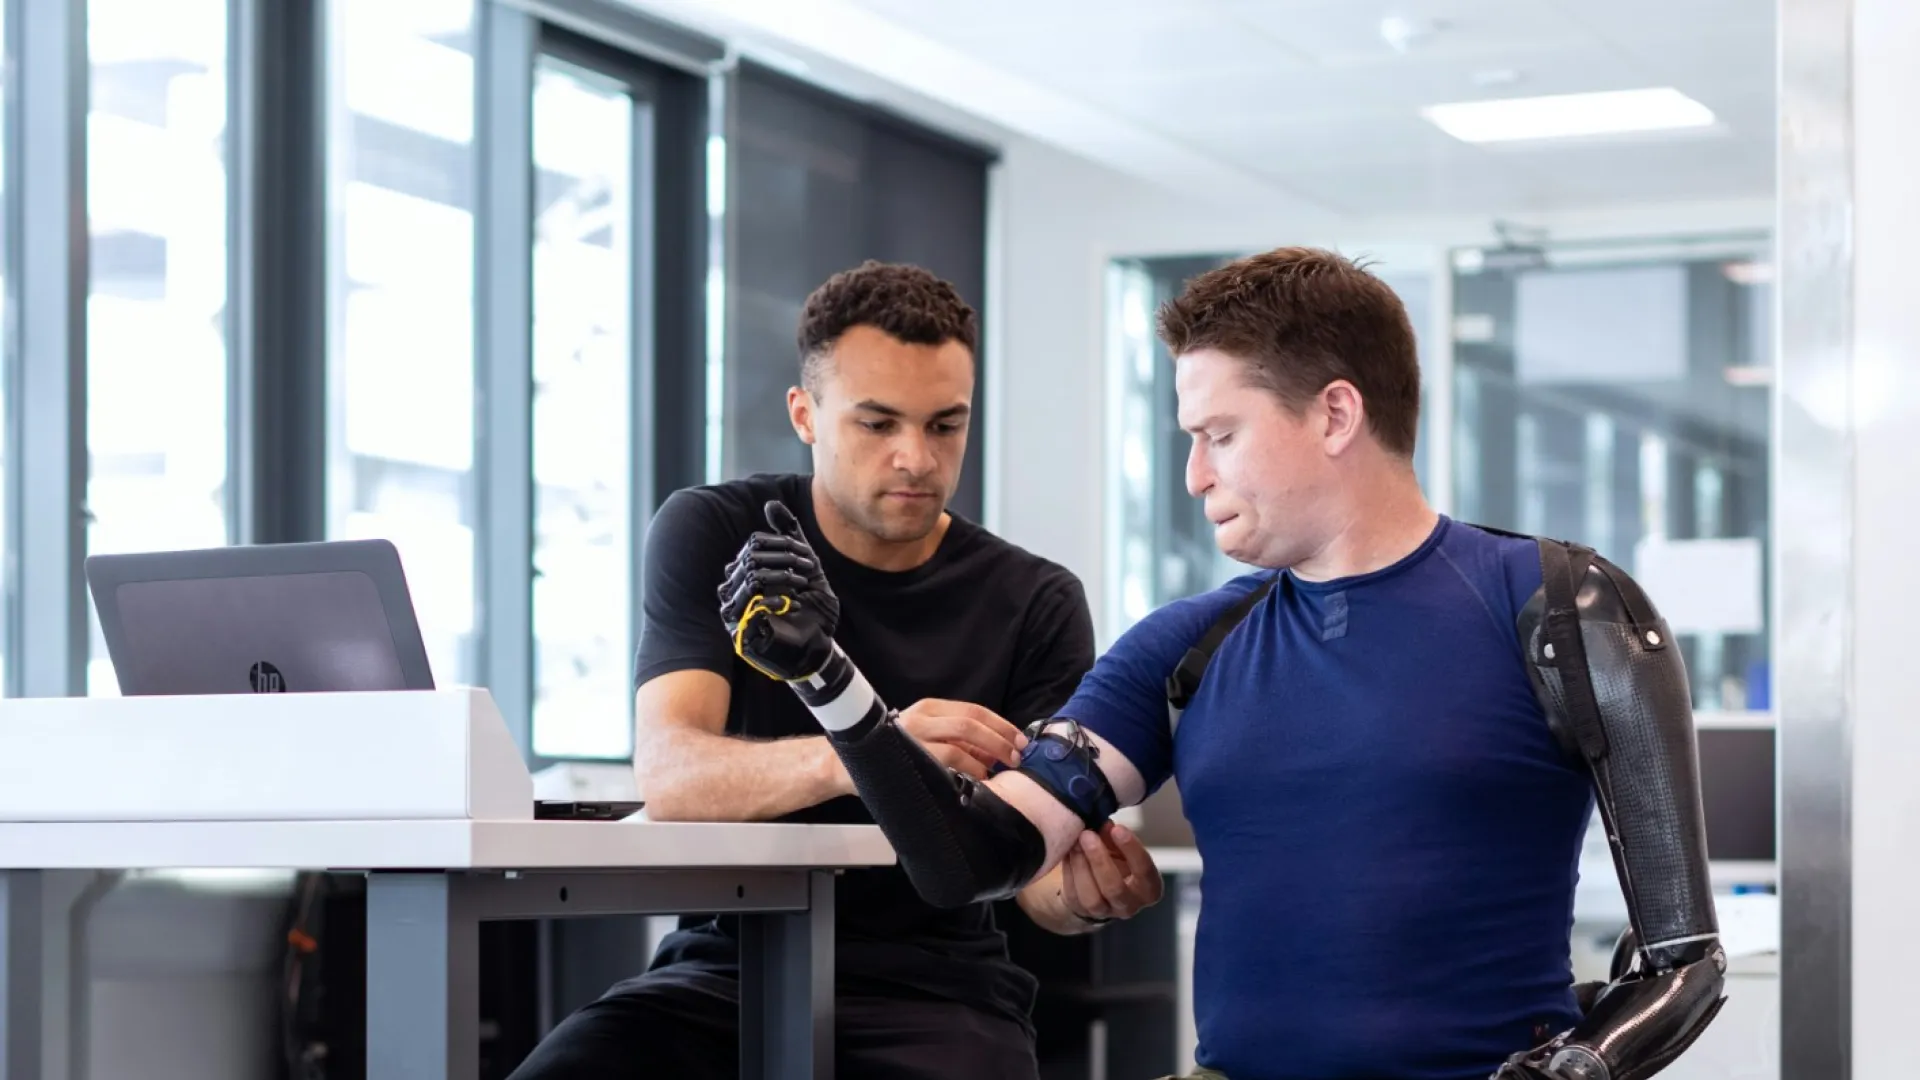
column 677, row 1024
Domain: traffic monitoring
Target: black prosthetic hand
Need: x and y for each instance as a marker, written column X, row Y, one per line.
column 957, row 840
column 1638, row 1025
column 776, row 601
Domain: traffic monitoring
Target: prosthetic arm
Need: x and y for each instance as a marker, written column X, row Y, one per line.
column 1615, row 692
column 958, row 841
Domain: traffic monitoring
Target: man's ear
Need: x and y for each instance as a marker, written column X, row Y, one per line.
column 1345, row 415
column 800, row 410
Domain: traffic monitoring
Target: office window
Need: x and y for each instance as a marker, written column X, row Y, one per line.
column 1161, row 546
column 583, row 295
column 1621, row 398
column 818, row 184
column 156, row 344
column 400, row 203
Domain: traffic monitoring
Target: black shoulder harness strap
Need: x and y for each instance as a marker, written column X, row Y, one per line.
column 1562, row 568
column 1185, row 680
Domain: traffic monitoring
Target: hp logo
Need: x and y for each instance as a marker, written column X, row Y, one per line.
column 266, row 679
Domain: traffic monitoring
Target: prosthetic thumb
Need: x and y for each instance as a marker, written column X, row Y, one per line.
column 783, row 521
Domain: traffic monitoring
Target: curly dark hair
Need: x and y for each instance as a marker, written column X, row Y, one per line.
column 1300, row 318
column 905, row 301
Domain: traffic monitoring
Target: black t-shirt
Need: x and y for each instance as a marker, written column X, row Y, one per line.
column 982, row 621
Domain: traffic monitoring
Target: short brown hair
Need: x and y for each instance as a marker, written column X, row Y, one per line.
column 907, row 302
column 1302, row 318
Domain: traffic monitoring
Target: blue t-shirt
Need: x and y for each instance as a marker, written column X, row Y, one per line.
column 1391, row 833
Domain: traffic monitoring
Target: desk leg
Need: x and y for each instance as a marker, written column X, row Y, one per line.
column 423, row 979
column 786, row 989
column 22, row 993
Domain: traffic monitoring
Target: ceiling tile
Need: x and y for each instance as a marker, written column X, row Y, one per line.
column 1314, row 144
column 1058, row 22
column 1707, row 168
column 1348, row 32
column 1739, row 59
column 1170, row 45
column 1395, row 192
column 1626, row 21
column 1224, row 100
column 1309, row 94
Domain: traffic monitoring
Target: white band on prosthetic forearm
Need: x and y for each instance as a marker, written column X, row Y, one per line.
column 849, row 708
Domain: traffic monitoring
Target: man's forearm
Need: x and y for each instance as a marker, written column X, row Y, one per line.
column 688, row 775
column 1045, row 902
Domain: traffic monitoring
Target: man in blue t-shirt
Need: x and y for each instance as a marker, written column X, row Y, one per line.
column 1389, row 770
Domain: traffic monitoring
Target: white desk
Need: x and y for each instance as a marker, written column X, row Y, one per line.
column 425, row 793
column 431, row 883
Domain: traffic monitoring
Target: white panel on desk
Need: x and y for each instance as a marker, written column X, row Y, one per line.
column 380, row 756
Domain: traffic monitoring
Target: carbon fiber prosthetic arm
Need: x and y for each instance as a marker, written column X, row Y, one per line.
column 1615, row 691
column 958, row 841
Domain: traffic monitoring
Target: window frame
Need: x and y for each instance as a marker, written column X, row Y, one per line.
column 46, row 293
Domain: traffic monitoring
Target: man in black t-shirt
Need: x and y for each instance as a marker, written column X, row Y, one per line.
column 982, row 636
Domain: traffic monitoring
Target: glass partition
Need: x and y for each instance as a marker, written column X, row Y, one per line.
column 1619, row 396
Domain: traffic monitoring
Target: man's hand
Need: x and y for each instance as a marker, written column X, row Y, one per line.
column 1109, row 875
column 964, row 737
column 776, row 601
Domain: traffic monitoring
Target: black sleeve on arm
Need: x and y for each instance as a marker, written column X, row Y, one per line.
column 957, row 840
column 688, row 545
column 1055, row 651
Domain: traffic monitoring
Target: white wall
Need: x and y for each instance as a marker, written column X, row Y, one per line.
column 1046, row 377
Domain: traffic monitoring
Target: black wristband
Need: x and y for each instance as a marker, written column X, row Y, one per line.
column 1064, row 764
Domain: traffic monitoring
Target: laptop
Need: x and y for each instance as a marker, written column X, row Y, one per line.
column 318, row 617
column 261, row 619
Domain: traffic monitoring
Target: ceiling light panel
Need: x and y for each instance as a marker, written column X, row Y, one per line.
column 1565, row 116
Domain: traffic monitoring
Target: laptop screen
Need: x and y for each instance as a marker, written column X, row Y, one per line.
column 291, row 618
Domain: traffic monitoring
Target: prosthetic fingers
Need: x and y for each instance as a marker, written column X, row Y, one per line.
column 776, row 603
column 958, row 841
column 1615, row 691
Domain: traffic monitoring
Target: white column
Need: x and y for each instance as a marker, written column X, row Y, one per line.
column 1886, row 574
column 1847, row 506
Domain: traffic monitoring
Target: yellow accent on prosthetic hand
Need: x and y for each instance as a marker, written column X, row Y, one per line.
column 757, row 606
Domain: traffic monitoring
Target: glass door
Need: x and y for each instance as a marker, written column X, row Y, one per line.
column 590, row 128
